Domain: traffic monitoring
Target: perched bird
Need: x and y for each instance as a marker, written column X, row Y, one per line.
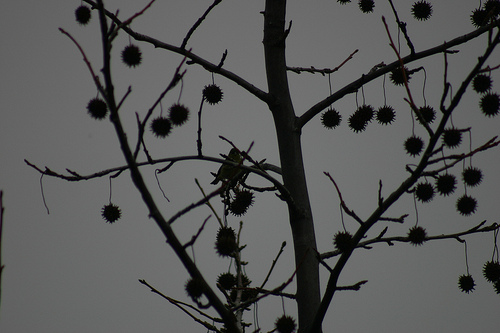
column 226, row 171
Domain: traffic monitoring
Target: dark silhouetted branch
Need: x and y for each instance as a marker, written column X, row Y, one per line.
column 404, row 239
column 273, row 264
column 198, row 23
column 263, row 96
column 342, row 202
column 183, row 307
column 355, row 85
column 356, row 286
column 323, row 71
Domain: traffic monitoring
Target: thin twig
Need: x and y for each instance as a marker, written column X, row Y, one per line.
column 273, row 264
column 142, row 125
column 183, row 306
column 199, row 143
column 457, row 158
column 195, row 237
column 87, row 62
column 133, row 17
column 400, row 219
column 198, row 23
column 129, row 90
column 404, row 239
column 402, row 27
column 323, row 71
column 208, row 203
column 356, row 286
column 275, row 291
column 405, row 77
column 342, row 202
column 192, row 206
column 364, row 79
column 260, row 94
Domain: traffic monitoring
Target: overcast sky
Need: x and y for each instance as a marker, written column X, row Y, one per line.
column 69, row 271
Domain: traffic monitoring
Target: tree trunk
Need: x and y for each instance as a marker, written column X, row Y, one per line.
column 301, row 222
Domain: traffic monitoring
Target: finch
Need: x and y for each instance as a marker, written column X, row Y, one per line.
column 226, row 171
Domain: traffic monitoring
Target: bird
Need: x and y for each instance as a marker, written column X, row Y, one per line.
column 227, row 172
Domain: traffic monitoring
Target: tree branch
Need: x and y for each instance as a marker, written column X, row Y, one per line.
column 342, row 202
column 227, row 316
column 198, row 23
column 323, row 71
column 355, row 85
column 183, row 306
column 265, row 166
column 142, row 124
column 355, row 286
column 402, row 27
column 457, row 158
column 404, row 186
column 263, row 96
column 273, row 264
column 404, row 239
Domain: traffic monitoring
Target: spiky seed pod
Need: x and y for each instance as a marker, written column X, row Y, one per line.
column 492, row 7
column 212, row 94
column 245, row 281
column 466, row 283
column 491, row 271
column 428, row 114
column 111, row 213
column 83, row 15
column 225, row 243
column 414, row 145
column 472, row 176
column 357, row 123
column 285, row 324
column 446, row 184
column 452, row 137
column 490, row 104
column 131, row 55
column 385, row 115
column 343, row 2
column 466, row 205
column 397, row 76
column 97, row 108
column 178, row 114
column 421, row 10
column 343, row 241
column 366, row 112
column 496, row 286
column 226, row 280
column 479, row 17
column 424, row 192
column 242, row 200
column 482, row 83
column 194, row 288
column 161, row 127
column 247, row 293
column 417, row 235
column 366, row 6
column 331, row 118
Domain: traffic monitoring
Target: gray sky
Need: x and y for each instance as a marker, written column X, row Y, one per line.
column 69, row 271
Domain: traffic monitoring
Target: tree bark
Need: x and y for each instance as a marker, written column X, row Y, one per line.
column 290, row 150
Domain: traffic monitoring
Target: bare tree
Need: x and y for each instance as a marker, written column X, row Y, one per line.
column 427, row 174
